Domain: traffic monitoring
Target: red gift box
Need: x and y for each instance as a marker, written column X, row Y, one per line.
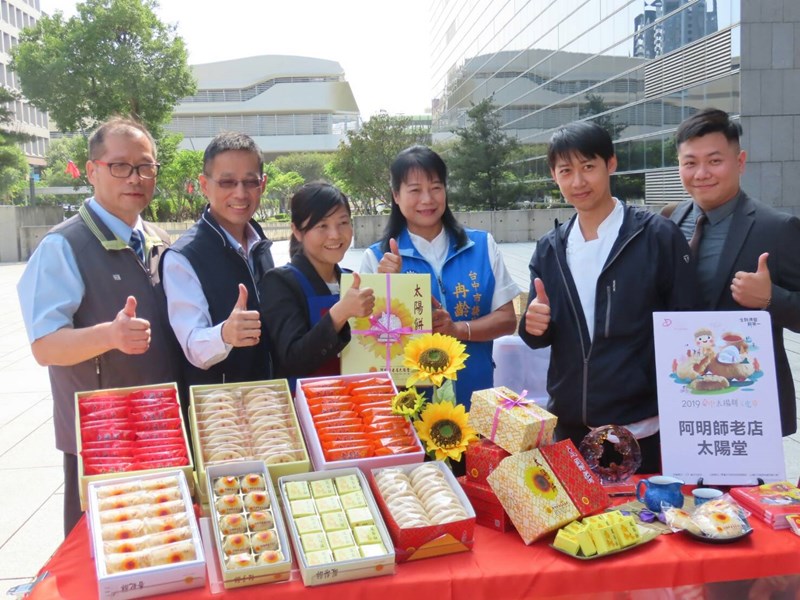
column 414, row 543
column 488, row 510
column 483, row 457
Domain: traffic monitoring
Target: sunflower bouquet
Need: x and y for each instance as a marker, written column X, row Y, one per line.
column 441, row 423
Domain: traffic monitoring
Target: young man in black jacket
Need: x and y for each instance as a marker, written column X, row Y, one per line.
column 595, row 282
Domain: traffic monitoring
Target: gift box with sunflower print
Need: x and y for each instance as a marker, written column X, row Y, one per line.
column 511, row 421
column 402, row 311
column 545, row 488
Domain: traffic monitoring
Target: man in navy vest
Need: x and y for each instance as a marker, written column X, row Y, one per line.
column 210, row 273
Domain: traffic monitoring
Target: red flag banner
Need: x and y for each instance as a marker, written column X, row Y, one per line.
column 72, row 170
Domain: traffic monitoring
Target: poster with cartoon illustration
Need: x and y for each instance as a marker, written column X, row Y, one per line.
column 402, row 312
column 718, row 397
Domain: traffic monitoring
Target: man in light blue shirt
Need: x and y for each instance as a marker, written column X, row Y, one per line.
column 91, row 299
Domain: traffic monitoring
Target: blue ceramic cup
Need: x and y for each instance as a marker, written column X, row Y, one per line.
column 660, row 489
column 702, row 495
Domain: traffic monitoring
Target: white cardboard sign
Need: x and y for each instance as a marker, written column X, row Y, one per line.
column 718, row 397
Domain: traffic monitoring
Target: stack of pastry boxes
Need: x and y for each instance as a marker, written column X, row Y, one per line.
column 509, row 423
column 348, row 422
column 483, row 457
column 425, row 509
column 336, row 527
column 246, row 421
column 249, row 531
column 545, row 488
column 127, row 430
column 144, row 536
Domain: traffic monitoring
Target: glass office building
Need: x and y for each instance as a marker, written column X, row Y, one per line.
column 637, row 67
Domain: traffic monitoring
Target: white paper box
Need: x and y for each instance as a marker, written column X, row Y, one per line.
column 346, row 570
column 278, row 571
column 315, row 447
column 150, row 581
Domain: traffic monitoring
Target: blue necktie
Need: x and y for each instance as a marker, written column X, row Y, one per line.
column 137, row 243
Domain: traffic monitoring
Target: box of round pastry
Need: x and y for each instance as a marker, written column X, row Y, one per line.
column 347, row 422
column 144, row 536
column 336, row 528
column 122, row 431
column 425, row 509
column 249, row 532
column 246, row 421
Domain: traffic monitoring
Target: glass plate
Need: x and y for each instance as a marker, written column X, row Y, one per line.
column 646, row 535
column 711, row 540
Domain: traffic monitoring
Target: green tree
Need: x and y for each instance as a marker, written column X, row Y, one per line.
column 280, row 188
column 361, row 165
column 596, row 105
column 13, row 174
column 479, row 163
column 309, row 165
column 114, row 57
column 179, row 195
column 61, row 151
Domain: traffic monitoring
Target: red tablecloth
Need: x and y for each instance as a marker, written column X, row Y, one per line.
column 500, row 565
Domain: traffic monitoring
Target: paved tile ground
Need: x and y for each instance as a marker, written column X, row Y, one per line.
column 30, row 466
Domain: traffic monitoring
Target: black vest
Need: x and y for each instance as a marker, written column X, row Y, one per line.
column 220, row 269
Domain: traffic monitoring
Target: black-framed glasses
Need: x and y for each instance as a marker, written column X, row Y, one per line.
column 123, row 170
column 250, row 183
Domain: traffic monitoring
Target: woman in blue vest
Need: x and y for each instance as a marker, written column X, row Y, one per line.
column 472, row 289
column 305, row 318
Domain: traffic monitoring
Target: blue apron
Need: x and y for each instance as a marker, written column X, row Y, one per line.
column 318, row 306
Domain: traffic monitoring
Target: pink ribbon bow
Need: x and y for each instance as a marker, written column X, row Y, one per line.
column 508, row 403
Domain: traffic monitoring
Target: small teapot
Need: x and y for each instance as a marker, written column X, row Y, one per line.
column 658, row 489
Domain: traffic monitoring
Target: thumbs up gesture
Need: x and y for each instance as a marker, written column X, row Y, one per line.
column 356, row 302
column 130, row 334
column 243, row 327
column 753, row 290
column 537, row 317
column 391, row 262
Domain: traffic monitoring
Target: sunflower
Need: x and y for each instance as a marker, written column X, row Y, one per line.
column 434, row 357
column 388, row 326
column 408, row 403
column 443, row 427
column 540, row 483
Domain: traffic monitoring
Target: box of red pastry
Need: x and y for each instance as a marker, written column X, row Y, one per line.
column 347, row 421
column 134, row 430
column 488, row 510
column 483, row 456
column 426, row 511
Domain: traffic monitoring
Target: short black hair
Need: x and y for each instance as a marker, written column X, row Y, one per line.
column 117, row 126
column 708, row 120
column 584, row 138
column 310, row 204
column 228, row 141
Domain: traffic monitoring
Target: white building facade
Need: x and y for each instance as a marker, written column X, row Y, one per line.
column 14, row 16
column 286, row 103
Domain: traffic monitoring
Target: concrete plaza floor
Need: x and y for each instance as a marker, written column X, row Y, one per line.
column 30, row 466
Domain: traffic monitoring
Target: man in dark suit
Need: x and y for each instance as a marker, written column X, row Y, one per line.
column 747, row 253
